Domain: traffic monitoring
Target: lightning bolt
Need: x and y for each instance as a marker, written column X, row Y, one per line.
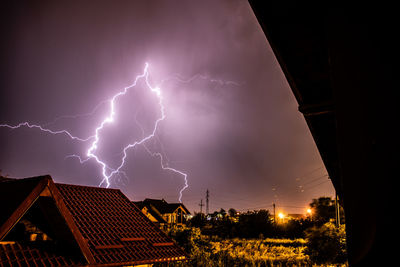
column 107, row 171
column 164, row 166
column 77, row 116
column 32, row 126
column 179, row 78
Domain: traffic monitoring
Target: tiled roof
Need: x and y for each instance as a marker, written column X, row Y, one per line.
column 16, row 254
column 115, row 229
column 150, row 209
column 163, row 206
column 105, row 226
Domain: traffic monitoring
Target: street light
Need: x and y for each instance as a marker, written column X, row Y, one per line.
column 309, row 212
column 281, row 217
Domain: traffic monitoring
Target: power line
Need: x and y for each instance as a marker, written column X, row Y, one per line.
column 317, row 184
column 315, row 179
column 302, row 177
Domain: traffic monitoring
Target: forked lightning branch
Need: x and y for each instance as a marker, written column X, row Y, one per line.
column 94, row 139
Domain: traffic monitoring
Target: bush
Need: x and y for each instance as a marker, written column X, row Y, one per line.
column 326, row 244
column 205, row 251
column 188, row 238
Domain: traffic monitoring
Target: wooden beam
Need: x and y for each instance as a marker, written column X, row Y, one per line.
column 23, row 207
column 317, row 109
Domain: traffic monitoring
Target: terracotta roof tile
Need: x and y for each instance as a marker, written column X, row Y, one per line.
column 108, row 228
column 17, row 254
column 116, row 230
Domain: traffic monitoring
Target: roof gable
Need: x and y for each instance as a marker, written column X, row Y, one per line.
column 163, row 206
column 150, row 209
column 24, row 194
column 175, row 206
column 39, row 190
column 105, row 225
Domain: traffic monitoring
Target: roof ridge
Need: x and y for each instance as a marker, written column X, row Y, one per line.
column 88, row 186
column 46, row 183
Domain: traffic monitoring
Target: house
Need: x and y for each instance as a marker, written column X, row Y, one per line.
column 172, row 214
column 152, row 213
column 43, row 223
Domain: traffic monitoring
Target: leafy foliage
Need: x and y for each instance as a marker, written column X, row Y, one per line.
column 232, row 239
column 205, row 251
column 252, row 225
column 324, row 210
column 293, row 228
column 198, row 220
column 326, row 244
column 256, row 224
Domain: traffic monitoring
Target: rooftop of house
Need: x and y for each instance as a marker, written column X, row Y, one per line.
column 152, row 210
column 162, row 206
column 76, row 225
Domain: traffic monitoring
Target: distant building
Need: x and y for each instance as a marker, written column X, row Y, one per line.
column 47, row 224
column 152, row 213
column 165, row 215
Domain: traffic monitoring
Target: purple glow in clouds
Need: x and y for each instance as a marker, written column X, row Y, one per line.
column 108, row 172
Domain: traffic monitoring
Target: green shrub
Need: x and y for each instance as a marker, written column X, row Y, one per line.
column 326, row 244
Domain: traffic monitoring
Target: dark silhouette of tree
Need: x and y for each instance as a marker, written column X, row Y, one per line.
column 222, row 212
column 198, row 220
column 232, row 212
column 253, row 224
column 326, row 244
column 323, row 209
column 293, row 228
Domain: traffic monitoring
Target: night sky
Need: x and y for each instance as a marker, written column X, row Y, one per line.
column 231, row 123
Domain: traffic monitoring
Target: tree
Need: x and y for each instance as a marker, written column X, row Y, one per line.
column 232, row 212
column 222, row 212
column 293, row 228
column 326, row 244
column 252, row 224
column 323, row 209
column 198, row 220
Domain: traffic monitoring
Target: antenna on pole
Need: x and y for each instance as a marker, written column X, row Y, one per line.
column 201, row 206
column 207, row 195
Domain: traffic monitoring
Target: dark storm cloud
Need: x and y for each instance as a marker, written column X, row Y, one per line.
column 234, row 128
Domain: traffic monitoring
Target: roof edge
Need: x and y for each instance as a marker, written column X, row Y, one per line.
column 46, row 182
column 25, row 205
column 62, row 208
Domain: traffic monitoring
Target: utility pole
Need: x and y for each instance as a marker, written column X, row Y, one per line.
column 201, row 206
column 273, row 204
column 337, row 210
column 207, row 195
